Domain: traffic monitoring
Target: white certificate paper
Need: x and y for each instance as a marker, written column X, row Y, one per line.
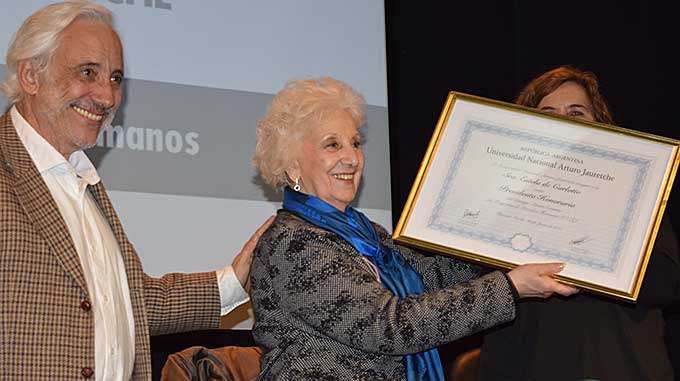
column 505, row 185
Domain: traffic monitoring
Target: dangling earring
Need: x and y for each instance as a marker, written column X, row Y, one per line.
column 297, row 186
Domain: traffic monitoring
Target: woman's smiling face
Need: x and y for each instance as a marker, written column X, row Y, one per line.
column 330, row 162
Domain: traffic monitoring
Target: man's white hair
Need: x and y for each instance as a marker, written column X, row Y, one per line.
column 38, row 38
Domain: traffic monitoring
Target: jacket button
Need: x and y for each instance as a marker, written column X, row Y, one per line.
column 87, row 372
column 86, row 306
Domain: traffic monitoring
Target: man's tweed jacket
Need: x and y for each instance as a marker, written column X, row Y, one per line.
column 321, row 314
column 45, row 310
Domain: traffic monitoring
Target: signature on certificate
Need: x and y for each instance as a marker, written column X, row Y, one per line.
column 580, row 241
column 470, row 214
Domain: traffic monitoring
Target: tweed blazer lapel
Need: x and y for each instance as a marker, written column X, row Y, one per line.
column 37, row 201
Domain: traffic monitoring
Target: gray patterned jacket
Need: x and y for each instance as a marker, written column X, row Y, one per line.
column 321, row 313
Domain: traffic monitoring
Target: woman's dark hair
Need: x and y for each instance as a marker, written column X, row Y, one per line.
column 549, row 81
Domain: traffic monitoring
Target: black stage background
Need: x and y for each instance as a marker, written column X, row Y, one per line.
column 493, row 48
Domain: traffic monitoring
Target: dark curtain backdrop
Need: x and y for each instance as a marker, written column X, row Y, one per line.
column 493, row 48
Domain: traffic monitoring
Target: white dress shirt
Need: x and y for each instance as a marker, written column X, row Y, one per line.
column 99, row 253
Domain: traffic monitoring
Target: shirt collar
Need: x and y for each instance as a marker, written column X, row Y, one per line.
column 46, row 157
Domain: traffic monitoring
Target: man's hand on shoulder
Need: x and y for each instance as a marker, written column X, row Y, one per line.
column 244, row 259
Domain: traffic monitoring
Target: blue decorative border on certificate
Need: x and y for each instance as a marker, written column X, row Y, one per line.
column 606, row 264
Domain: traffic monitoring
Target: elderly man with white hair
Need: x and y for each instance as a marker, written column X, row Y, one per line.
column 74, row 300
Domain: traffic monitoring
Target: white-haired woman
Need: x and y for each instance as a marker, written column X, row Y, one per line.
column 334, row 297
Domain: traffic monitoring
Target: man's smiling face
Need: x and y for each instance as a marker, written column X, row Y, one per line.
column 81, row 88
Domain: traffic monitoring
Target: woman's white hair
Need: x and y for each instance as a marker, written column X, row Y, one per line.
column 38, row 38
column 302, row 104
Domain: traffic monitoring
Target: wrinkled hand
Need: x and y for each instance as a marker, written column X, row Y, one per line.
column 535, row 280
column 244, row 259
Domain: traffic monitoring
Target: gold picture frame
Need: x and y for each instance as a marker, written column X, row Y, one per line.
column 502, row 185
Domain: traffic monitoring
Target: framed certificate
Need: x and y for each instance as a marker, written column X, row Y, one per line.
column 505, row 185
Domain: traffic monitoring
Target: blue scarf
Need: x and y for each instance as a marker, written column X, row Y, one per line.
column 395, row 273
